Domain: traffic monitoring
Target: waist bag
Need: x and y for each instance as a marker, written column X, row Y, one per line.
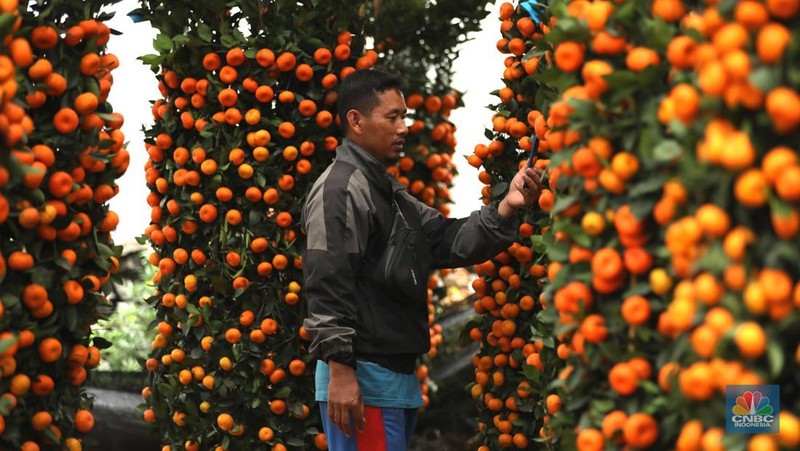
column 406, row 261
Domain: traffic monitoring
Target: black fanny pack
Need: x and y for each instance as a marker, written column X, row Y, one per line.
column 406, row 261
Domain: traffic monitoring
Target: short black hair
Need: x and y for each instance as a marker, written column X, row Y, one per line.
column 360, row 89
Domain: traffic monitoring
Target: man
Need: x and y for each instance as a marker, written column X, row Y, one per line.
column 367, row 336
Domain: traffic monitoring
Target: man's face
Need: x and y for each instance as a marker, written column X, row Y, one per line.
column 382, row 132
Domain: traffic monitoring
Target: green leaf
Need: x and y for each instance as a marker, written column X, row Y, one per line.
column 531, row 373
column 639, row 289
column 534, row 52
column 9, row 300
column 653, row 184
column 642, row 207
column 715, row 259
column 537, row 244
column 7, row 343
column 228, row 40
column 181, row 39
column 7, row 22
column 779, row 208
column 204, row 31
column 558, row 251
column 104, row 251
column 650, row 387
column 556, row 79
column 602, row 406
column 72, row 319
column 563, row 202
column 42, row 276
column 658, row 34
column 152, row 60
column 775, row 357
column 667, row 151
column 101, row 343
column 162, row 43
column 5, row 403
column 623, row 79
column 283, row 392
column 499, row 190
column 765, row 78
column 50, row 435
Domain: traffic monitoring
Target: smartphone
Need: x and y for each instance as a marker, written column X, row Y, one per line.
column 534, row 152
column 532, row 157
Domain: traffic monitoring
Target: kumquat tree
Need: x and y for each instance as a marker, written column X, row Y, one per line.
column 62, row 153
column 672, row 240
column 246, row 123
column 518, row 358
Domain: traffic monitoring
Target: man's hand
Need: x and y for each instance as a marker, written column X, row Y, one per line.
column 344, row 398
column 522, row 192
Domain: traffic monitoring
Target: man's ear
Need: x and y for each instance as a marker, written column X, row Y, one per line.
column 355, row 121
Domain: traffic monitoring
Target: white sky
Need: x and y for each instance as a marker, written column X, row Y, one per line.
column 135, row 85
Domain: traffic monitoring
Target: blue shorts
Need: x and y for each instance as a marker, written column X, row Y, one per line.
column 386, row 429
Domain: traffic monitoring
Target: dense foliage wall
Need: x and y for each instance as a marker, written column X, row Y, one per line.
column 238, row 140
column 672, row 127
column 62, row 152
column 517, row 361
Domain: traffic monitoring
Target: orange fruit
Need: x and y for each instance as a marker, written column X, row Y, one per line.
column 41, row 420
column 690, row 436
column 751, row 188
column 65, row 120
column 681, row 52
column 86, row 103
column 783, row 107
column 776, row 161
column 569, row 56
column 605, row 43
column 771, row 42
column 277, row 406
column 597, row 15
column 225, row 421
column 783, row 9
column 669, row 10
column 84, row 421
column 636, row 310
column 50, row 350
column 785, row 185
column 750, row 338
column 623, row 379
column 20, row 384
column 640, row 58
column 590, row 440
column 297, row 367
column 640, row 430
column 286, row 61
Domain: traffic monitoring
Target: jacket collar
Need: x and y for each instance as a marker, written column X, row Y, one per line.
column 350, row 152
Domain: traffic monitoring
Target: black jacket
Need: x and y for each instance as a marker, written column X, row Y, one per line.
column 348, row 218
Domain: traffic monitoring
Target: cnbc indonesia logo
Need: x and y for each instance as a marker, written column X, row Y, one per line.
column 753, row 410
